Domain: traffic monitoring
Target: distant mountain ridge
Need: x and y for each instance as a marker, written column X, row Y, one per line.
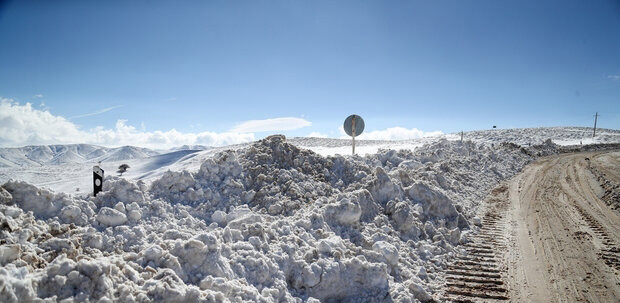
column 39, row 155
column 70, row 153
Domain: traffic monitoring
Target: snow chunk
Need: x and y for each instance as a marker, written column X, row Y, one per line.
column 5, row 196
column 111, row 217
column 351, row 280
column 121, row 190
column 387, row 250
column 406, row 218
column 331, row 245
column 383, row 188
column 9, row 253
column 135, row 214
column 73, row 214
column 43, row 203
column 219, row 217
column 199, row 260
column 435, row 203
column 419, row 292
column 16, row 284
column 346, row 211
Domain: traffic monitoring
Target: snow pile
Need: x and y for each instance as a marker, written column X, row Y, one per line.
column 270, row 222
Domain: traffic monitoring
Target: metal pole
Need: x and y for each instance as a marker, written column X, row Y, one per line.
column 353, row 132
column 595, row 118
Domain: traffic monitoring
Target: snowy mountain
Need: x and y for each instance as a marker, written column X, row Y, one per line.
column 72, row 153
column 127, row 153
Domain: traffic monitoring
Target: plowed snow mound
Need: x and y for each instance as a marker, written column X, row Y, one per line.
column 270, row 222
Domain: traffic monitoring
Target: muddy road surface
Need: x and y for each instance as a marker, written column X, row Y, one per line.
column 551, row 234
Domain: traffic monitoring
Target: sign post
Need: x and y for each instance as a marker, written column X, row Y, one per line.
column 353, row 126
column 97, row 179
column 353, row 131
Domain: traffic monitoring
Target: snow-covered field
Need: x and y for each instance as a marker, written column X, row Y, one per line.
column 274, row 220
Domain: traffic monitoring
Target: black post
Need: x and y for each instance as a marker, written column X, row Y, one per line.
column 97, row 179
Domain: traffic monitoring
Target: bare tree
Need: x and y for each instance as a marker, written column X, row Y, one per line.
column 122, row 168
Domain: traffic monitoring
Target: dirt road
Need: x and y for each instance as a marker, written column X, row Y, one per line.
column 563, row 239
column 548, row 235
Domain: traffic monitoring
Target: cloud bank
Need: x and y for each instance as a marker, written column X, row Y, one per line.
column 24, row 125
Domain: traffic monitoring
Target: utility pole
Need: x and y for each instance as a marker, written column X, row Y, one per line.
column 461, row 136
column 595, row 118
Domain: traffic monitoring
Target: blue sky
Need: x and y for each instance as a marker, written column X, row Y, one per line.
column 210, row 66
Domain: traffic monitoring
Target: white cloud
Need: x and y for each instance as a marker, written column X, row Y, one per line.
column 614, row 77
column 393, row 133
column 24, row 125
column 38, row 96
column 275, row 124
column 101, row 111
column 124, row 134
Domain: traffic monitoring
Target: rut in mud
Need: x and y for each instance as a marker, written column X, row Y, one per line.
column 476, row 274
column 610, row 251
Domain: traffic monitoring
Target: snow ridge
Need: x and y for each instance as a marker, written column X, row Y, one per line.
column 72, row 153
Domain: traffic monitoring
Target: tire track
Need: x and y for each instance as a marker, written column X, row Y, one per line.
column 475, row 274
column 610, row 252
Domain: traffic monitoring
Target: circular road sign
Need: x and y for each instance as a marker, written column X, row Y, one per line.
column 359, row 125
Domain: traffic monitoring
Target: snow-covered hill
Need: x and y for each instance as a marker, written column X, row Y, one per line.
column 68, row 154
column 268, row 221
column 559, row 135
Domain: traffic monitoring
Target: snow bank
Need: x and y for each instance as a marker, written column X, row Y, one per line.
column 535, row 136
column 268, row 223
